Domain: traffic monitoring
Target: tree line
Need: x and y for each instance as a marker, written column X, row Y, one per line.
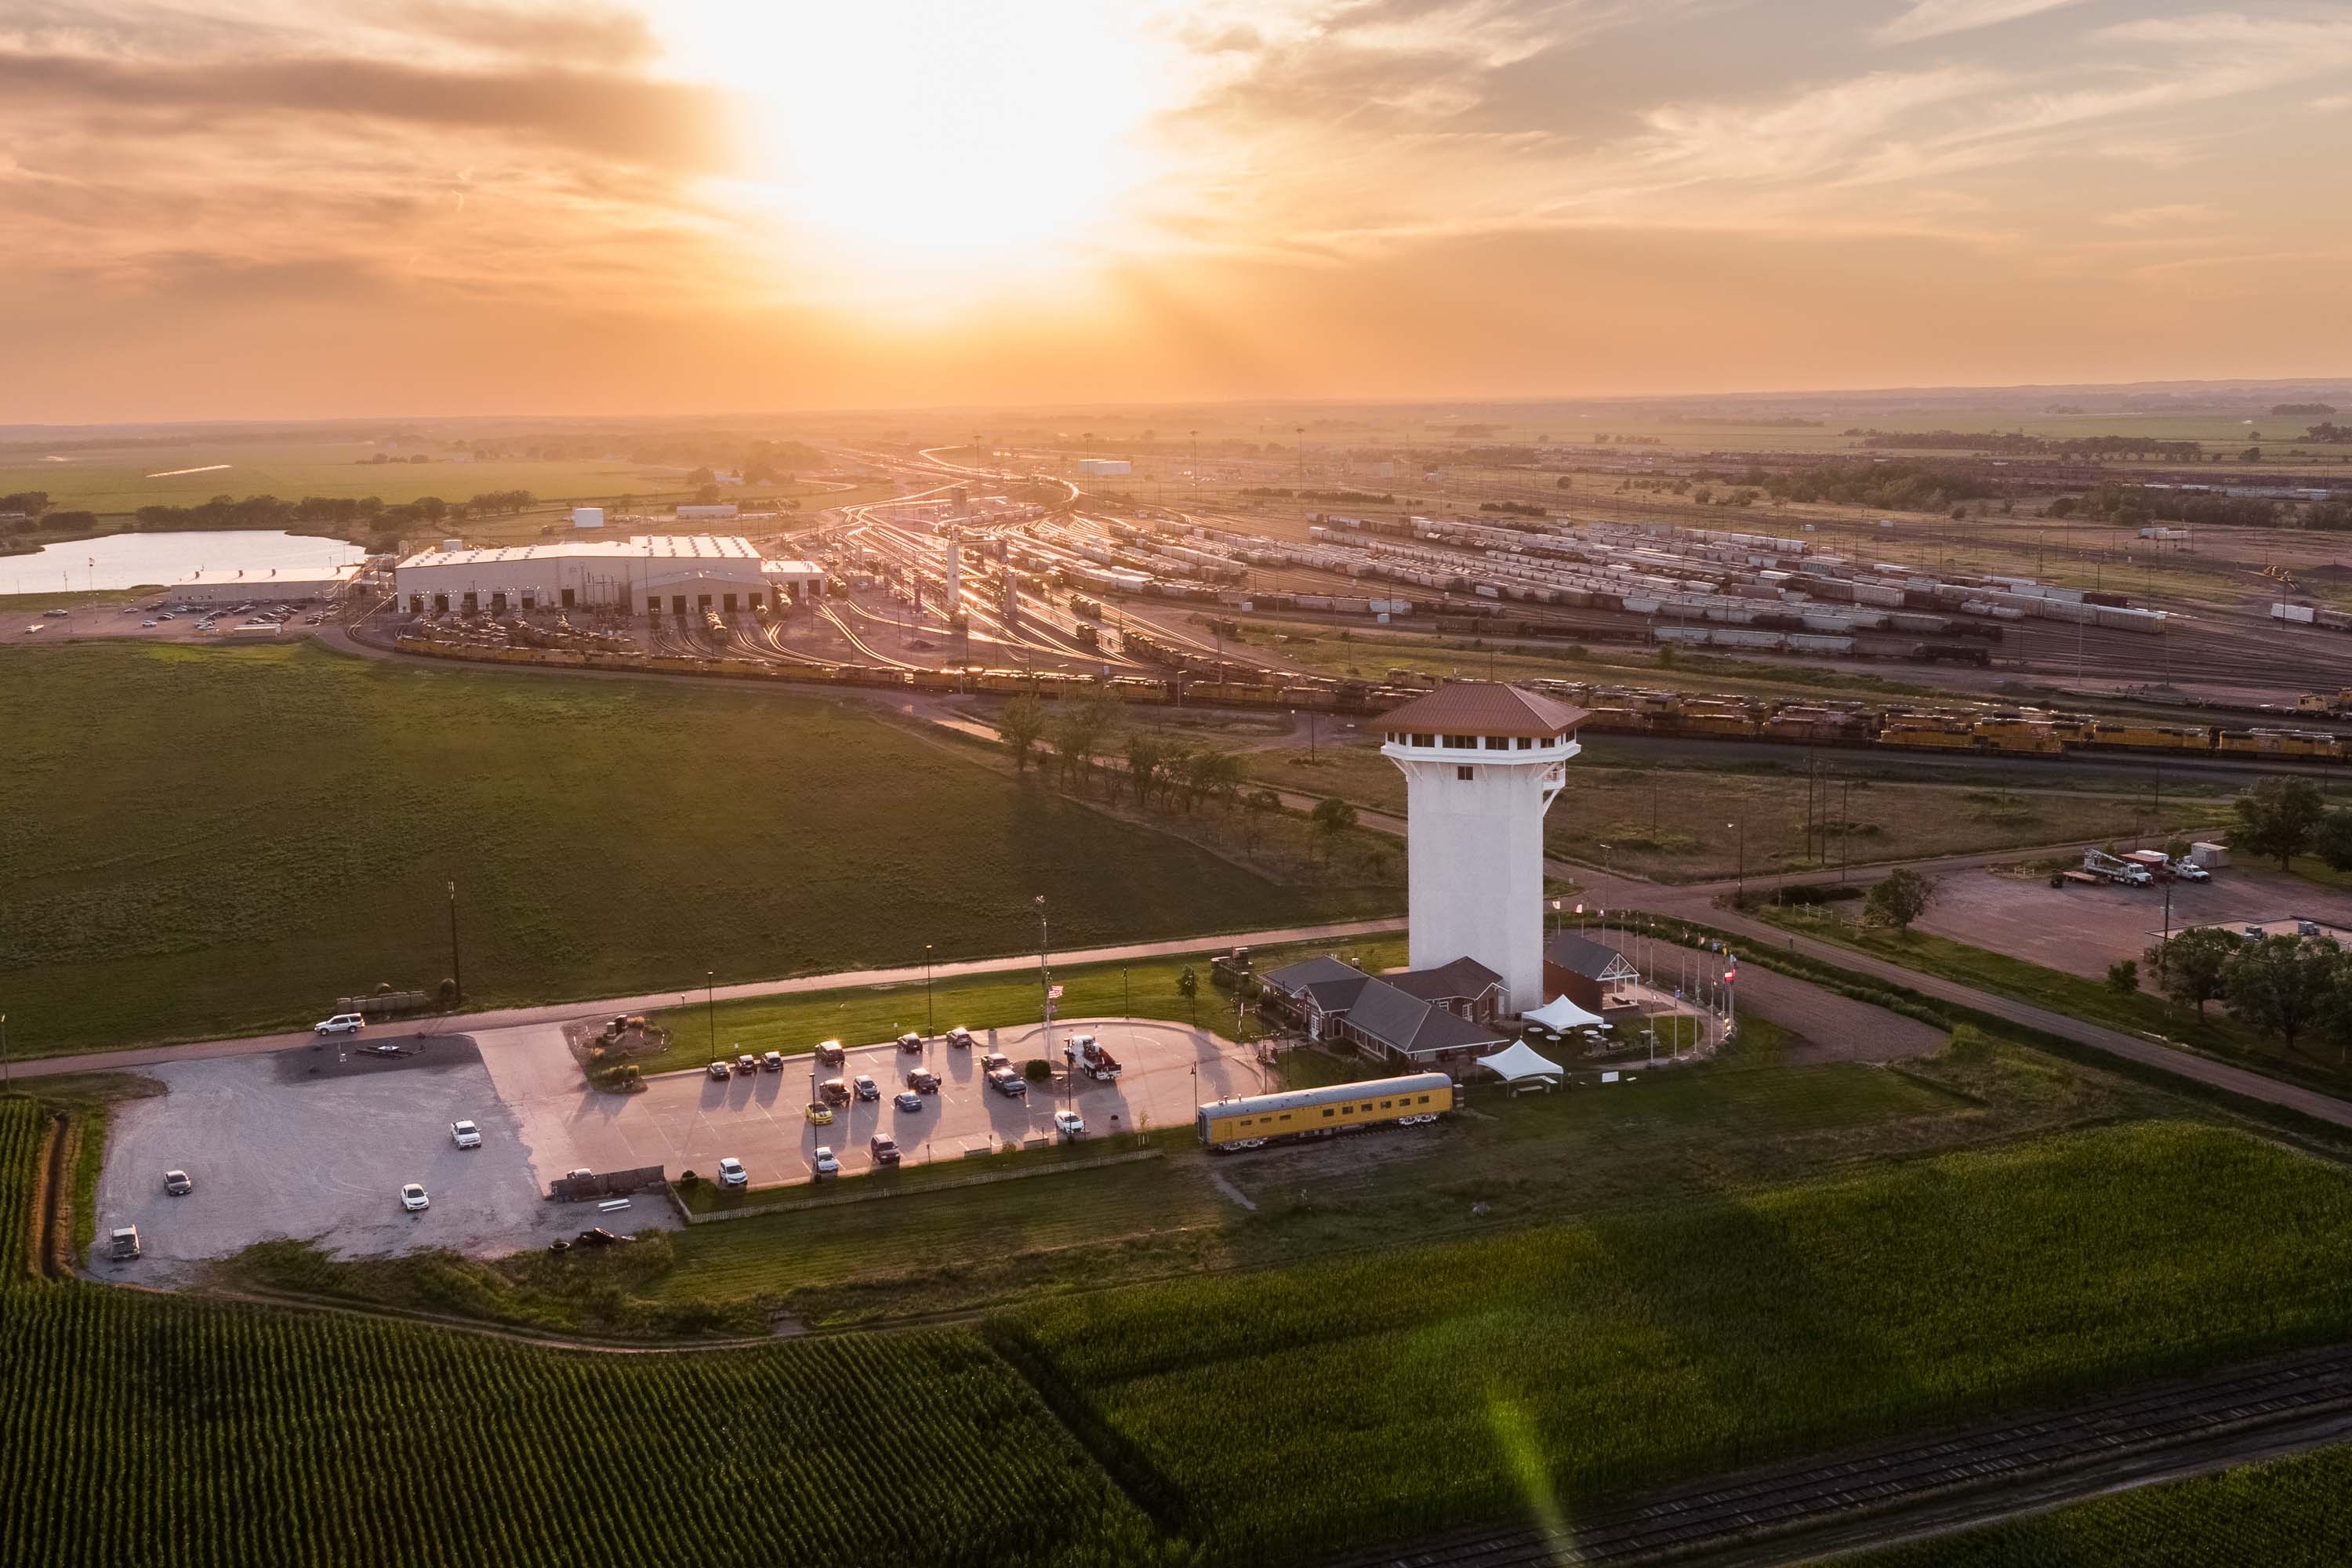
column 1087, row 746
column 2013, row 444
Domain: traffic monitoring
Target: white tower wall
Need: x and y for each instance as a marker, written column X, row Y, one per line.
column 1474, row 854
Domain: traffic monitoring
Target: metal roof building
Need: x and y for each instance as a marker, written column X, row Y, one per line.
column 646, row 574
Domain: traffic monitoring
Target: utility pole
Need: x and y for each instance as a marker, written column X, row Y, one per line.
column 1044, row 973
column 3, row 1052
column 1741, row 890
column 457, row 974
column 710, row 1007
column 930, row 1020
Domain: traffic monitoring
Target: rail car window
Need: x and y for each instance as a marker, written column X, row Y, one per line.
column 1384, row 1105
column 1328, row 1111
column 1424, row 1100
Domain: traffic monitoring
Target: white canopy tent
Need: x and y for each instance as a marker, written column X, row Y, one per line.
column 1518, row 1062
column 1560, row 1015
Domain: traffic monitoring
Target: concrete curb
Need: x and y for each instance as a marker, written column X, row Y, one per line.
column 843, row 1200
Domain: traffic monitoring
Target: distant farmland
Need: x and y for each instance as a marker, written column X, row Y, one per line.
column 119, row 481
column 211, row 841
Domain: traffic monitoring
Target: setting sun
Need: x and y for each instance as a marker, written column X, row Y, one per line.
column 938, row 137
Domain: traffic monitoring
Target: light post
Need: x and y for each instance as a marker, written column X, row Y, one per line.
column 1741, row 890
column 4, row 1051
column 930, row 1020
column 710, row 1007
column 457, row 974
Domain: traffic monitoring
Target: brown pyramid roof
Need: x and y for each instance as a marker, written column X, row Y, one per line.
column 1483, row 708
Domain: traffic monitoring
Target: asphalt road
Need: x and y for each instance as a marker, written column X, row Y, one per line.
column 561, row 1012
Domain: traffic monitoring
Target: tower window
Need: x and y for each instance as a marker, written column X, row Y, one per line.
column 1527, row 743
column 1499, row 742
column 1424, row 740
column 1461, row 742
column 1465, row 774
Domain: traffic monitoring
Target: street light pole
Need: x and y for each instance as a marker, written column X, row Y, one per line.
column 930, row 1020
column 1740, row 891
column 456, row 973
column 710, row 1007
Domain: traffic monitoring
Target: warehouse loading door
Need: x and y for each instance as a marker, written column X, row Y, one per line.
column 678, row 603
column 498, row 604
column 567, row 598
column 440, row 603
column 726, row 602
column 471, row 604
column 702, row 601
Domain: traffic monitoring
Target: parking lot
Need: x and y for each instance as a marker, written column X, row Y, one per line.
column 314, row 1142
column 2082, row 929
column 688, row 1120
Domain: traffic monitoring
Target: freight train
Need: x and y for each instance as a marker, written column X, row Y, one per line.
column 1202, row 681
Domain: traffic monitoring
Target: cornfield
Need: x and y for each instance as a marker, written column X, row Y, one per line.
column 1378, row 1398
column 142, row 1428
column 2288, row 1513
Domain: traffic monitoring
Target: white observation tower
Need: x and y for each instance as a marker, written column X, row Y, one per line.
column 1481, row 763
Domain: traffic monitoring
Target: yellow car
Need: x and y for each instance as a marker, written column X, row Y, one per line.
column 820, row 1113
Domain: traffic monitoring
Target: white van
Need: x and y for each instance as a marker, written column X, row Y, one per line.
column 341, row 1024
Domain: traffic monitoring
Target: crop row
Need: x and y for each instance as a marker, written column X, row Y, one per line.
column 239, row 1436
column 1374, row 1398
column 2288, row 1513
column 21, row 1130
column 141, row 1429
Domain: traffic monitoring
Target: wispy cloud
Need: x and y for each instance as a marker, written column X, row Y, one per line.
column 1940, row 18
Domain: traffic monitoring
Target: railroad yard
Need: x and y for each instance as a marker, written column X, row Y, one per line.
column 1157, row 605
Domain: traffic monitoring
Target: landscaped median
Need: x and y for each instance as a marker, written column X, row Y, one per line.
column 793, row 1024
column 701, row 1200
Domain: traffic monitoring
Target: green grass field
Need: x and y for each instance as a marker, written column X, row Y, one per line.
column 1680, row 820
column 1373, row 1398
column 867, row 1014
column 204, row 842
column 2287, row 1513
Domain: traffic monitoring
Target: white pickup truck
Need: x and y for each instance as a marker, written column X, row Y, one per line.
column 465, row 1134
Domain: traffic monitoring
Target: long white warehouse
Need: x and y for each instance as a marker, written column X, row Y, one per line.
column 644, row 574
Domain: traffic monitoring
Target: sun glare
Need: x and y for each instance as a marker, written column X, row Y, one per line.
column 903, row 139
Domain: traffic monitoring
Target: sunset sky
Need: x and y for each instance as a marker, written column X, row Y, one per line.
column 231, row 208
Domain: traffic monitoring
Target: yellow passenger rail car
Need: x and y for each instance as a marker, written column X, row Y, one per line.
column 1319, row 1112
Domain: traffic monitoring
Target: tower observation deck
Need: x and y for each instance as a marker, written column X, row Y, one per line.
column 1482, row 763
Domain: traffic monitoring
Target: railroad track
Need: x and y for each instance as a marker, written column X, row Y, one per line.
column 1710, row 1519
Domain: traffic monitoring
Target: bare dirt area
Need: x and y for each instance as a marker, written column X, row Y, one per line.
column 315, row 1142
column 2082, row 930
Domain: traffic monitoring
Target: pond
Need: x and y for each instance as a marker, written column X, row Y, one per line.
column 128, row 559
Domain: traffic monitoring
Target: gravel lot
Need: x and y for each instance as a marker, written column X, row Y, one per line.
column 314, row 1142
column 2082, row 930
